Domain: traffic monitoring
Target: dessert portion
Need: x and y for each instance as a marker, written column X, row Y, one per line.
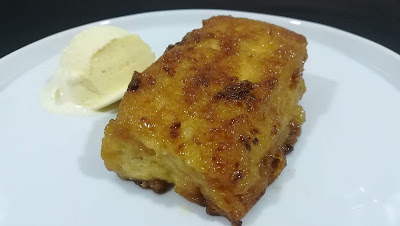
column 95, row 68
column 214, row 116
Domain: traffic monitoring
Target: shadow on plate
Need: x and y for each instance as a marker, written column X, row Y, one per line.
column 316, row 102
column 92, row 165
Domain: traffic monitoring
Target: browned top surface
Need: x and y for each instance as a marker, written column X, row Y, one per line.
column 218, row 98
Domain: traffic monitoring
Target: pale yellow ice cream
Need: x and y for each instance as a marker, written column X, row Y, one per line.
column 95, row 69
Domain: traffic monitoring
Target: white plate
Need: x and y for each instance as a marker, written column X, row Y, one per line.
column 344, row 170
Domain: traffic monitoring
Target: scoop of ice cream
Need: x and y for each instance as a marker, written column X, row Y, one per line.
column 95, row 69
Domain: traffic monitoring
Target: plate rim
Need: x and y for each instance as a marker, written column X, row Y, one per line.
column 12, row 61
column 149, row 13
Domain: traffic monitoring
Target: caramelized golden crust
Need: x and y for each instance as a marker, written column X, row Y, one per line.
column 158, row 186
column 214, row 115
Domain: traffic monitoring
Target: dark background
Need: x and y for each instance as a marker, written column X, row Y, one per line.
column 22, row 23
